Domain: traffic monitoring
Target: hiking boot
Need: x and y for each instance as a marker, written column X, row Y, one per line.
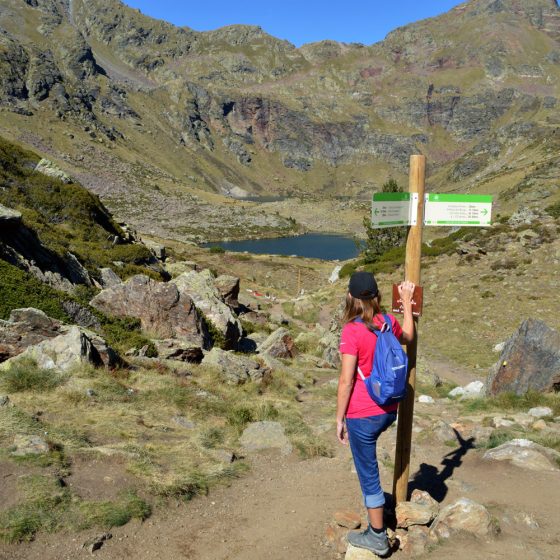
column 370, row 540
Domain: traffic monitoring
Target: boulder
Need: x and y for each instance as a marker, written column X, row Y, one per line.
column 68, row 350
column 464, row 515
column 335, row 274
column 423, row 498
column 26, row 327
column 157, row 250
column 173, row 349
column 265, row 435
column 47, row 167
column 109, row 278
column 81, row 315
column 279, row 344
column 525, row 454
column 177, row 268
column 472, row 390
column 540, row 412
column 416, row 541
column 228, row 286
column 234, row 368
column 530, row 360
column 411, row 513
column 164, row 310
column 199, row 286
column 8, row 216
column 426, row 399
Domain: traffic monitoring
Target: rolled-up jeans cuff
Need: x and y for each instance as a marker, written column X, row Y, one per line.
column 374, row 500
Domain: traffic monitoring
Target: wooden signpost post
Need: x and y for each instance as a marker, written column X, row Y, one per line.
column 411, row 273
column 416, row 210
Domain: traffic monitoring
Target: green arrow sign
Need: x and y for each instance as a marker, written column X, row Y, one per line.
column 457, row 210
column 394, row 209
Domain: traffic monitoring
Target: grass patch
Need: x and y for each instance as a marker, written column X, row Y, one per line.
column 513, row 402
column 50, row 506
column 109, row 514
column 25, row 375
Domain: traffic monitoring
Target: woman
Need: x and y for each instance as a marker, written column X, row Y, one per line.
column 359, row 419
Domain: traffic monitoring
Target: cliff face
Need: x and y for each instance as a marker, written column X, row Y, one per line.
column 235, row 107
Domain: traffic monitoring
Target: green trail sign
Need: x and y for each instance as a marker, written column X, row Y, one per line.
column 457, row 210
column 394, row 209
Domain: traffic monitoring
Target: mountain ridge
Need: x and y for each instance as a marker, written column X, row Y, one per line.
column 237, row 110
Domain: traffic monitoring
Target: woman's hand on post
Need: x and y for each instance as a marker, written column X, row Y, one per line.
column 341, row 432
column 406, row 291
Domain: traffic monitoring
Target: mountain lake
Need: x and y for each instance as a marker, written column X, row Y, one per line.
column 329, row 247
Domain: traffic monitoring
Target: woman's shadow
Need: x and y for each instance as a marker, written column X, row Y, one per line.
column 432, row 480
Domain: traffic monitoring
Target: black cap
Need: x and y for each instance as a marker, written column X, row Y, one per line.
column 363, row 285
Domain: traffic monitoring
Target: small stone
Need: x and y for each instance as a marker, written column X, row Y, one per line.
column 90, row 393
column 499, row 347
column 96, row 543
column 183, row 422
column 4, row 400
column 499, row 422
column 539, row 425
column 348, row 519
column 457, row 392
column 353, row 553
column 540, row 411
column 526, row 519
column 426, row 399
column 29, row 445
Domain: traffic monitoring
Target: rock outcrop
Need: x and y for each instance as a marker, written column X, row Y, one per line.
column 530, row 360
column 164, row 310
column 235, row 369
column 279, row 344
column 228, row 286
column 223, row 323
column 31, row 334
column 26, row 327
column 525, row 454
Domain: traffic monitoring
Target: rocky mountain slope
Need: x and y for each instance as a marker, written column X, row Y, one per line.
column 163, row 120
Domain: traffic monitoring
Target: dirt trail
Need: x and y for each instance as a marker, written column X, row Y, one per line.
column 281, row 509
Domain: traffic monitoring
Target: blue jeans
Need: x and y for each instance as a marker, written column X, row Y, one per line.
column 362, row 435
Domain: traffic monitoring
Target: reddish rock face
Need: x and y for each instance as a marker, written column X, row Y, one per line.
column 530, row 360
column 164, row 312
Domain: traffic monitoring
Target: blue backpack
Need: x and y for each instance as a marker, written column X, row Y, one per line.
column 387, row 381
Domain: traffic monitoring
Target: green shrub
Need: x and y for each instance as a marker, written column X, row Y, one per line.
column 25, row 375
column 124, row 333
column 19, row 289
column 211, row 438
column 554, row 210
column 239, row 417
column 348, row 269
column 216, row 249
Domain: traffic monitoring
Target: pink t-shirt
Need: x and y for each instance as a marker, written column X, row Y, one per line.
column 357, row 340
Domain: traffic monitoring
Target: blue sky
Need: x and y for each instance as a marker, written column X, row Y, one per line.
column 300, row 22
